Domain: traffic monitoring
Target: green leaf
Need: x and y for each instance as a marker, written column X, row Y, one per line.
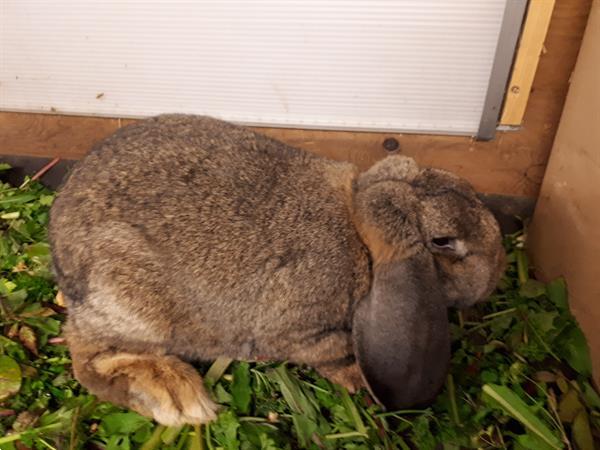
column 353, row 412
column 117, row 442
column 531, row 442
column 422, row 435
column 221, row 395
column 17, row 199
column 240, row 388
column 569, row 406
column 522, row 266
column 6, row 286
column 46, row 200
column 196, row 439
column 292, row 392
column 543, row 321
column 304, row 416
column 61, row 419
column 515, row 407
column 216, row 370
column 123, row 423
column 16, row 298
column 155, row 438
column 28, row 339
column 574, row 348
column 582, row 434
column 45, row 324
column 267, row 443
column 5, row 166
column 556, row 291
column 10, row 377
column 305, row 428
column 38, row 249
column 532, row 289
column 226, row 430
column 169, row 434
column 590, row 396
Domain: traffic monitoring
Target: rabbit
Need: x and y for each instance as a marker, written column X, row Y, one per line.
column 184, row 238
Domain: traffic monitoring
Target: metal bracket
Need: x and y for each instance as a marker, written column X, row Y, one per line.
column 512, row 21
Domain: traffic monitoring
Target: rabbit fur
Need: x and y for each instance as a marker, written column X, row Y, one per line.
column 183, row 238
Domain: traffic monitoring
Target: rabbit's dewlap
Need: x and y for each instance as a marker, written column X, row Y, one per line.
column 187, row 238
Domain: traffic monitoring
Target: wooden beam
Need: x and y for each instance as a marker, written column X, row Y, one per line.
column 528, row 55
column 506, row 165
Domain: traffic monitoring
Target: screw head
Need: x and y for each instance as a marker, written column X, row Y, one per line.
column 391, row 144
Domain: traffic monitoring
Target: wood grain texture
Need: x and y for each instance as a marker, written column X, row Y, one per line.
column 564, row 236
column 513, row 163
column 526, row 62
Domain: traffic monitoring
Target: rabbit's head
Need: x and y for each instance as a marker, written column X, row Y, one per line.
column 402, row 210
column 433, row 245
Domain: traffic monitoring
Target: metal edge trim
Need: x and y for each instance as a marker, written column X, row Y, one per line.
column 510, row 31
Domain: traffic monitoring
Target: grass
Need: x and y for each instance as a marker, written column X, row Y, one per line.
column 519, row 379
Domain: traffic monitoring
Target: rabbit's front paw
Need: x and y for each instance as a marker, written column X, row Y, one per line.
column 172, row 396
column 162, row 387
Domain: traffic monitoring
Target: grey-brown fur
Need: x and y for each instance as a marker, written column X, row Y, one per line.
column 188, row 237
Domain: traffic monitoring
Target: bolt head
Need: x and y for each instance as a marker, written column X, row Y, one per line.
column 391, row 144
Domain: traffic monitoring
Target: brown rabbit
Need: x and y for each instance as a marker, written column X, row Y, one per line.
column 186, row 238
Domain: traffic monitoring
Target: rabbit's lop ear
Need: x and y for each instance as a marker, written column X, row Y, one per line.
column 392, row 168
column 432, row 244
column 400, row 334
column 400, row 330
column 386, row 209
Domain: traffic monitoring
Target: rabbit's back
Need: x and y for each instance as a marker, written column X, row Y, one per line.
column 246, row 236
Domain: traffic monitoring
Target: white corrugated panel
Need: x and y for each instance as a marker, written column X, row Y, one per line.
column 405, row 65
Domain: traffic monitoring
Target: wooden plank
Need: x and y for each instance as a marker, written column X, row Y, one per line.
column 493, row 167
column 564, row 236
column 71, row 137
column 526, row 62
column 512, row 164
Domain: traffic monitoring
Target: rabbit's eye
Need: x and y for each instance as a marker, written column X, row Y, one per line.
column 444, row 243
column 450, row 246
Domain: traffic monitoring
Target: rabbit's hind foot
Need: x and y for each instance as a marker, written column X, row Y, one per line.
column 347, row 375
column 159, row 386
column 332, row 356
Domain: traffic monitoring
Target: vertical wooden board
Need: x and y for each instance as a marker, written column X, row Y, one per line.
column 564, row 237
column 526, row 62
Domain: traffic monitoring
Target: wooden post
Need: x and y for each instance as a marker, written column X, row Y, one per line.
column 526, row 62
